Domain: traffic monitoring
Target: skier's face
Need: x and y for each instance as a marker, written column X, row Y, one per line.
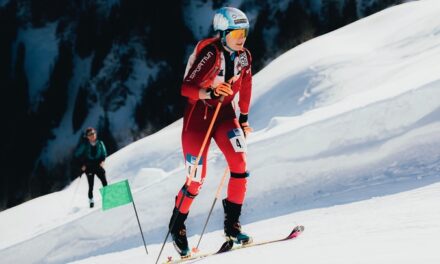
column 236, row 38
column 91, row 136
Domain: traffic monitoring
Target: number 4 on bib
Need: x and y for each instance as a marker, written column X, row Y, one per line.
column 237, row 140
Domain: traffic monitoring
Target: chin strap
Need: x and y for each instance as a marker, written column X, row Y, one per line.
column 225, row 44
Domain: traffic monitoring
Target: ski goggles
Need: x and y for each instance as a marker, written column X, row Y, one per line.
column 238, row 33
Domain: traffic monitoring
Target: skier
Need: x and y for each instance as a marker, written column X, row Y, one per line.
column 218, row 69
column 91, row 155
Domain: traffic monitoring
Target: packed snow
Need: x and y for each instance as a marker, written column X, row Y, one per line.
column 346, row 142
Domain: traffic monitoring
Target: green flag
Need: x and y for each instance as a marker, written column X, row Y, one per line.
column 116, row 194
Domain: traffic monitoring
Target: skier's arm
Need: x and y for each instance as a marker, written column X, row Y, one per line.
column 245, row 96
column 104, row 152
column 246, row 87
column 192, row 86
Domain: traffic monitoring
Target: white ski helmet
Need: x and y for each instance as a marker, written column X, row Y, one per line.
column 230, row 18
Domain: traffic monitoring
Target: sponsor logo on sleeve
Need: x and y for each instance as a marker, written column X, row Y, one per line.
column 201, row 64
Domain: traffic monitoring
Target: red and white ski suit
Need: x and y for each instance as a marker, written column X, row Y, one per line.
column 206, row 68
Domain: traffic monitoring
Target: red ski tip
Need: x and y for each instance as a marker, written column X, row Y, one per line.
column 297, row 230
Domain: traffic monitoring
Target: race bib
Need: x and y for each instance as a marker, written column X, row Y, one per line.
column 243, row 59
column 236, row 138
column 190, row 163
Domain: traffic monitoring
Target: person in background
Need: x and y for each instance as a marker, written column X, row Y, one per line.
column 91, row 154
column 218, row 70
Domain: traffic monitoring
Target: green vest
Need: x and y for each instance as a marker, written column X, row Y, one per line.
column 85, row 154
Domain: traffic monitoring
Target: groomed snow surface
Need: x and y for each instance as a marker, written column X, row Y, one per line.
column 346, row 142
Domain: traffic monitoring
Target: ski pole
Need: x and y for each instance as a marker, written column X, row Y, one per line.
column 219, row 188
column 193, row 170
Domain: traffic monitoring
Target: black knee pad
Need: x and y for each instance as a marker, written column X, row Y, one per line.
column 240, row 175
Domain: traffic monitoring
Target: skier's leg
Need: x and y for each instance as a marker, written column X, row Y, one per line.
column 191, row 143
column 193, row 136
column 90, row 180
column 100, row 172
column 230, row 139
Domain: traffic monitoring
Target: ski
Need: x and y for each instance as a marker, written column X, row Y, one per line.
column 229, row 246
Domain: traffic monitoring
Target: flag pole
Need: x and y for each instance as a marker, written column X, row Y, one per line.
column 118, row 194
column 139, row 223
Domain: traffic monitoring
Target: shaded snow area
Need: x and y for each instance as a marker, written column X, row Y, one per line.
column 346, row 142
column 41, row 46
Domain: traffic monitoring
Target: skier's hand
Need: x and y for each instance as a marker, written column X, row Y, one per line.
column 101, row 164
column 244, row 124
column 222, row 89
column 83, row 167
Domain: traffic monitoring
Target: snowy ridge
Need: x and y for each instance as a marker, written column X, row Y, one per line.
column 346, row 143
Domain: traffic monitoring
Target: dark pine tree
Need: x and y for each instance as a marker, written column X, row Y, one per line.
column 44, row 11
column 349, row 12
column 105, row 134
column 55, row 96
column 18, row 135
column 380, row 5
column 86, row 31
column 331, row 16
column 8, row 27
column 104, row 42
column 296, row 25
column 161, row 102
column 81, row 108
column 256, row 39
column 47, row 117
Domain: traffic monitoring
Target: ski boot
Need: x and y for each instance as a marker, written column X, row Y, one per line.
column 178, row 233
column 91, row 203
column 232, row 226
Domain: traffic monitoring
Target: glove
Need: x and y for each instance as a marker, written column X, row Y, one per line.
column 243, row 121
column 223, row 89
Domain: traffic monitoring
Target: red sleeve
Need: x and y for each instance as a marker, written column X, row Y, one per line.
column 246, row 87
column 202, row 65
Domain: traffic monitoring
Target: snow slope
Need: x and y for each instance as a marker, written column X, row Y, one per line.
column 369, row 231
column 347, row 142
